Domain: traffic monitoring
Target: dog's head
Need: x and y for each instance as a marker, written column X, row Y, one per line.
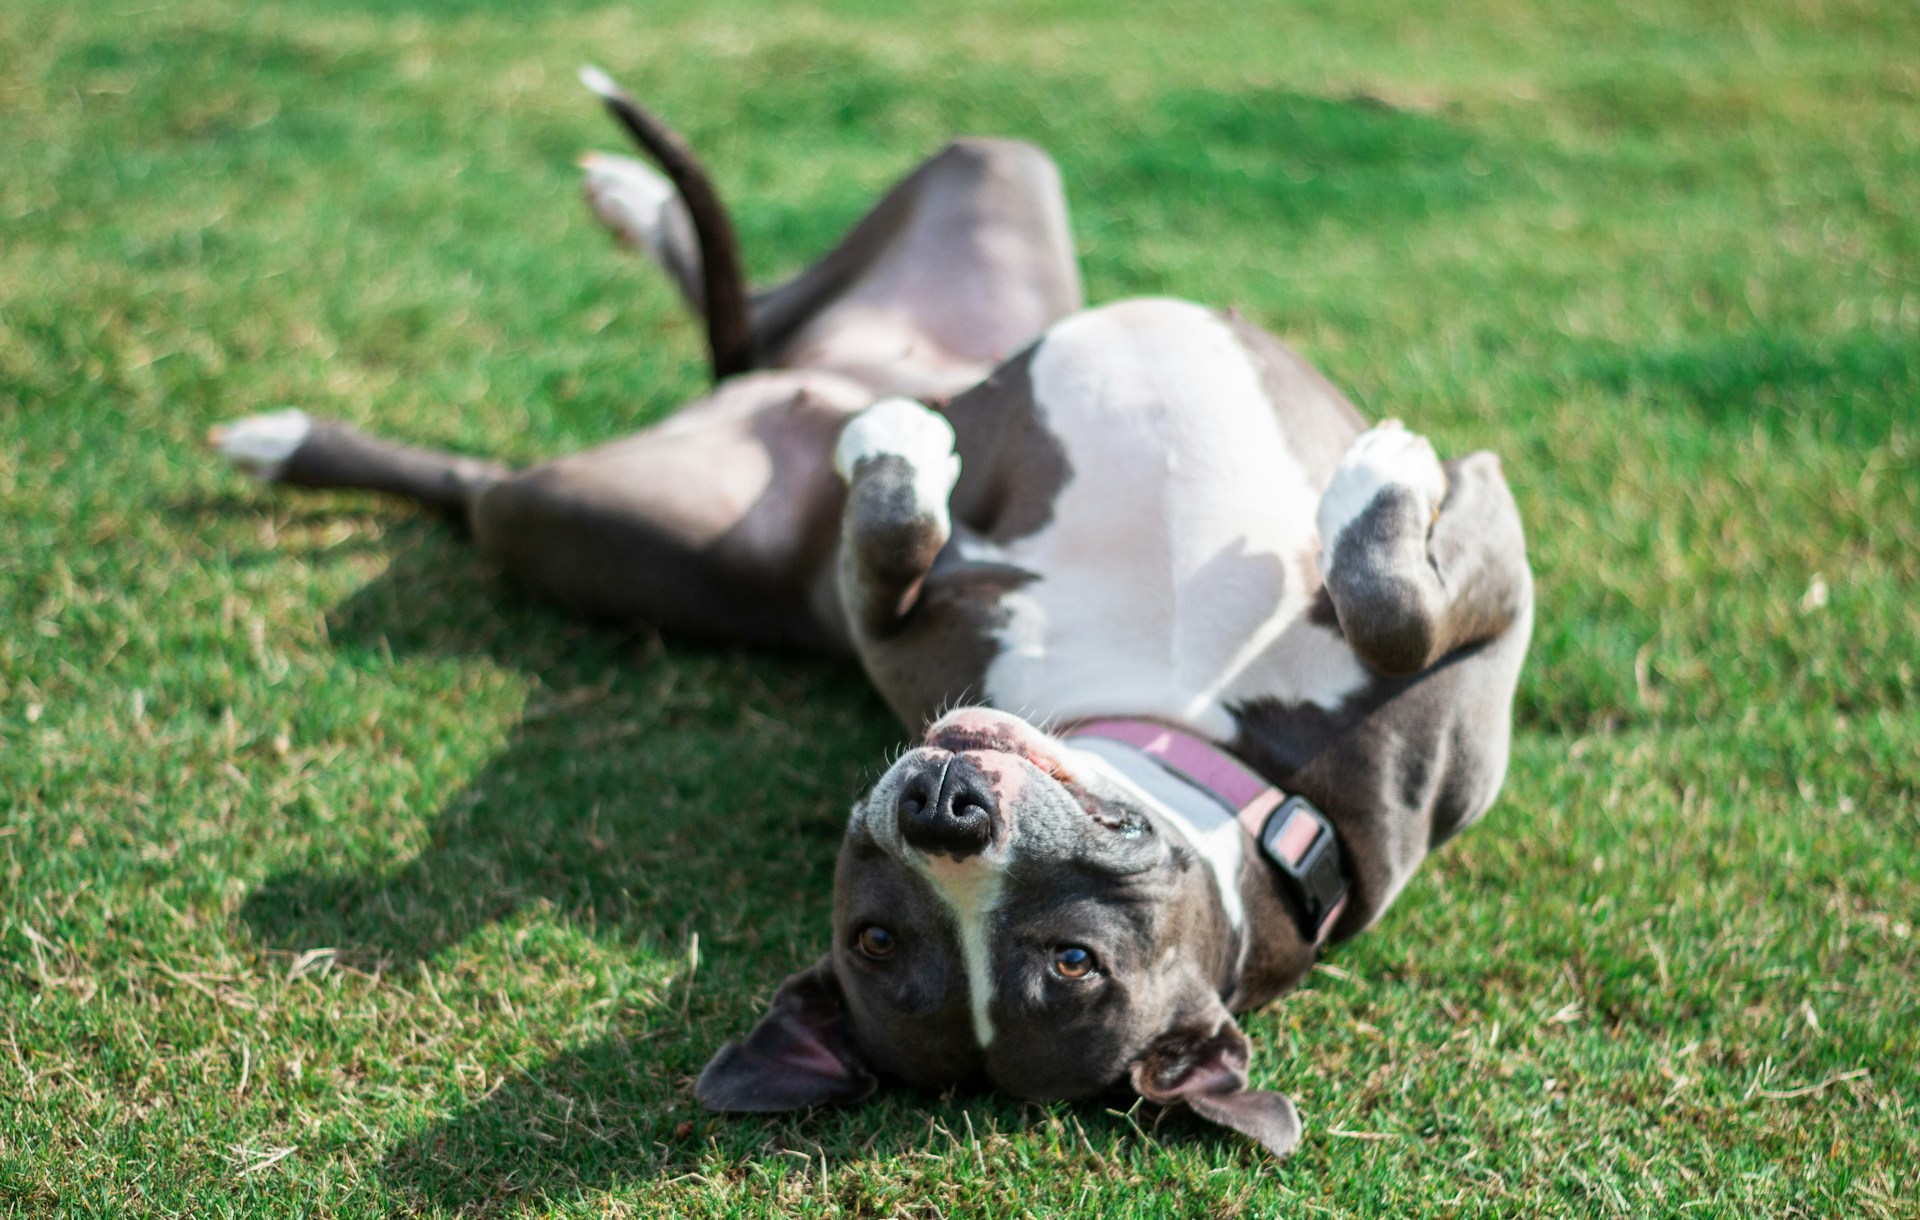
column 1012, row 911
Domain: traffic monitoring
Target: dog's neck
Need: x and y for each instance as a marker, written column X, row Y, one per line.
column 1276, row 861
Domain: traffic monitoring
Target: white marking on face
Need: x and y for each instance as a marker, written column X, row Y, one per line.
column 1173, row 563
column 1206, row 826
column 262, row 444
column 970, row 890
column 904, row 428
column 1386, row 455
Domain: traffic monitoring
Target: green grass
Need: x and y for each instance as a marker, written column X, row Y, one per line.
column 337, row 878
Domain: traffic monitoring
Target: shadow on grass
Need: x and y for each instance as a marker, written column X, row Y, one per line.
column 648, row 792
column 607, row 1113
column 1283, row 161
column 646, row 785
column 1850, row 388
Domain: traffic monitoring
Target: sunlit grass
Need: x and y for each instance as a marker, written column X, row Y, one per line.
column 336, row 877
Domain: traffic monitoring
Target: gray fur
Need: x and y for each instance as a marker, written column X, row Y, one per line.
column 1408, row 591
column 931, row 654
column 1440, row 610
column 887, row 546
column 333, row 455
column 963, row 262
column 719, row 523
column 1012, row 467
column 1089, row 864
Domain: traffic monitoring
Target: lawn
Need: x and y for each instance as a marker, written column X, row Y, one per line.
column 337, row 877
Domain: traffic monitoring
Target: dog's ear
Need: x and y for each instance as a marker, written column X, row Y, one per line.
column 799, row 1055
column 1203, row 1065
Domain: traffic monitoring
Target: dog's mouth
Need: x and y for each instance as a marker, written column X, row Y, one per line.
column 981, row 730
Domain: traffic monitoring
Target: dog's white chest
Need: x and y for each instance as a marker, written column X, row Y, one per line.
column 1172, row 577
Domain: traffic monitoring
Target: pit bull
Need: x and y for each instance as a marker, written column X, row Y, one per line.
column 1197, row 665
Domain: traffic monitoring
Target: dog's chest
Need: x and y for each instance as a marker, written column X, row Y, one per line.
column 1173, row 576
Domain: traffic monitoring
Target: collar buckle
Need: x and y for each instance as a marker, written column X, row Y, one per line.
column 1299, row 841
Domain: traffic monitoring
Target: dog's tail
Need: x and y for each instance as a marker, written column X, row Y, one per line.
column 730, row 342
column 292, row 447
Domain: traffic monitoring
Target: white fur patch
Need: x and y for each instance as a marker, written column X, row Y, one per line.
column 262, row 444
column 598, row 81
column 969, row 889
column 1207, row 827
column 1173, row 566
column 643, row 209
column 1386, row 455
column 629, row 197
column 904, row 428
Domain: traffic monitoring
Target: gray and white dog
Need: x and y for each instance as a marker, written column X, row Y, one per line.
column 1227, row 662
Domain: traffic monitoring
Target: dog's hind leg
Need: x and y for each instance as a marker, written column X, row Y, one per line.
column 717, row 523
column 1420, row 559
column 960, row 265
column 292, row 447
column 956, row 268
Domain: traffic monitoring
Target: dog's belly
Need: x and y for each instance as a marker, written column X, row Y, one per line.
column 1175, row 572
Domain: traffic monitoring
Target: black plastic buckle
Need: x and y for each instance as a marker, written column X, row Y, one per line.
column 1319, row 885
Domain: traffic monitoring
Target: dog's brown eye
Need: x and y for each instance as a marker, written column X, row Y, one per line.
column 1072, row 962
column 874, row 940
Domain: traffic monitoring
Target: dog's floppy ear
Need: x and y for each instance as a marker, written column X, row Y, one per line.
column 799, row 1055
column 1203, row 1066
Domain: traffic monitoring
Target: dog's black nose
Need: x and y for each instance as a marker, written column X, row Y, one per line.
column 948, row 808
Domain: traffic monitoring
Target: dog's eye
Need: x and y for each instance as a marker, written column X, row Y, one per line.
column 874, row 941
column 1072, row 962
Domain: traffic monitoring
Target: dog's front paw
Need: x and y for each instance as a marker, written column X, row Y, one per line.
column 261, row 445
column 1386, row 456
column 917, row 434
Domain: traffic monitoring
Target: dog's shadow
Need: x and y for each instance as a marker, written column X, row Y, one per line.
column 645, row 789
column 649, row 793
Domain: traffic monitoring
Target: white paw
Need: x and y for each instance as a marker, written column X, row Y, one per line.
column 261, row 444
column 1385, row 456
column 635, row 201
column 907, row 429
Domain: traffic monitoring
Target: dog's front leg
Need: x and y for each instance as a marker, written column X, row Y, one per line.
column 1420, row 558
column 898, row 460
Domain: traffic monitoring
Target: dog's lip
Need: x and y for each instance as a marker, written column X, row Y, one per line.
column 973, row 739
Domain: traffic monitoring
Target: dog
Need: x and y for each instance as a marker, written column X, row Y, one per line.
column 1198, row 665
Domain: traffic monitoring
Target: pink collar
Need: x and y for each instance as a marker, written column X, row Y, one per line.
column 1294, row 835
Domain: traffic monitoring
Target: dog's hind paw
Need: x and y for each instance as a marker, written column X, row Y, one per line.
column 1387, row 455
column 642, row 210
column 261, row 445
